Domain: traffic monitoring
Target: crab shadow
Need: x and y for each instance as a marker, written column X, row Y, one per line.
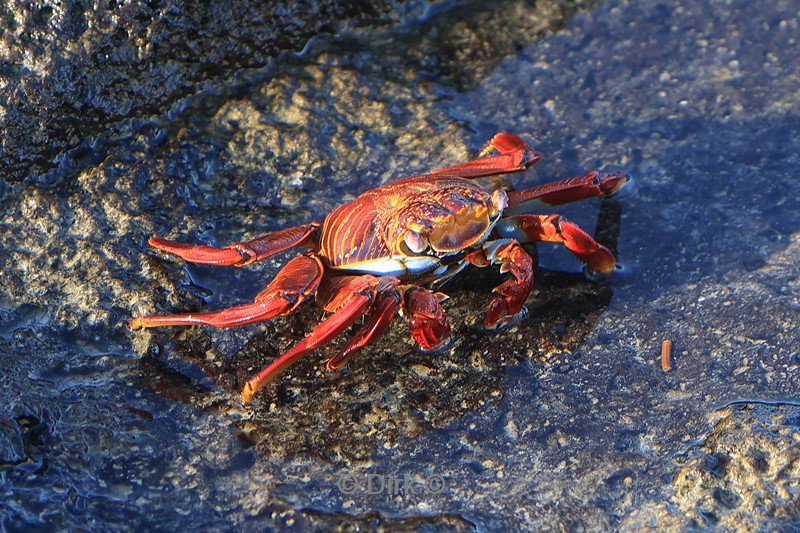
column 391, row 390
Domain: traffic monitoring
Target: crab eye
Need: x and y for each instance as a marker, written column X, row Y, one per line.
column 499, row 201
column 414, row 241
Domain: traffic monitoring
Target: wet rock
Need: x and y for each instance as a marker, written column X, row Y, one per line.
column 78, row 75
column 564, row 421
column 163, row 118
column 742, row 476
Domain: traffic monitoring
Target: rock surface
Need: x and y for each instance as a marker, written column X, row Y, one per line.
column 171, row 119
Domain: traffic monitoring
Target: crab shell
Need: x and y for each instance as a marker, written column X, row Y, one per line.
column 406, row 229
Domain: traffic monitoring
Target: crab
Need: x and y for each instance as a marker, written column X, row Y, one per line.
column 386, row 252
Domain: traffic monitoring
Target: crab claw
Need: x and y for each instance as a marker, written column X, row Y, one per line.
column 427, row 319
column 507, row 307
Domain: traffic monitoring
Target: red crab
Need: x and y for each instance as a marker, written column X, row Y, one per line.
column 383, row 254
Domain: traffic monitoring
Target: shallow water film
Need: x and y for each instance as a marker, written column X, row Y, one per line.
column 215, row 125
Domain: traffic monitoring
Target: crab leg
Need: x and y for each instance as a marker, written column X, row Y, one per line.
column 380, row 316
column 568, row 190
column 427, row 320
column 349, row 297
column 512, row 293
column 555, row 228
column 242, row 253
column 514, row 155
column 295, row 282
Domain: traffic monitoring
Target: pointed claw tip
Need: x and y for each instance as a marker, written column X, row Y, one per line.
column 599, row 276
column 506, row 320
column 612, row 182
column 532, row 158
column 247, row 394
column 331, row 366
column 443, row 345
column 489, row 327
